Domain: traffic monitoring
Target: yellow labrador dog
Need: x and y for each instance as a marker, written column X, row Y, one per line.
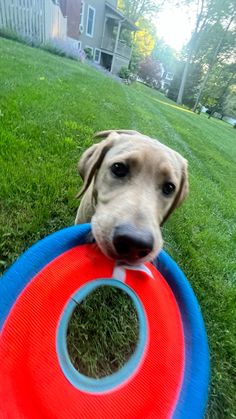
column 132, row 183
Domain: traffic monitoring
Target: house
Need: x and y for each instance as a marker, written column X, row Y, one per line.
column 166, row 80
column 97, row 26
column 39, row 20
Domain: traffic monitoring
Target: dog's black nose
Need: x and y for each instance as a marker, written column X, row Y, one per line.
column 132, row 243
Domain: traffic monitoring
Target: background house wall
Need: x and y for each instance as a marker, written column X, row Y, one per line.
column 119, row 62
column 72, row 9
column 113, row 3
column 104, row 36
column 63, row 5
column 96, row 39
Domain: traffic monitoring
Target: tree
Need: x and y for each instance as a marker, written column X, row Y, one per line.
column 229, row 105
column 141, row 13
column 137, row 9
column 208, row 39
column 165, row 54
column 213, row 61
column 150, row 72
column 143, row 44
column 192, row 46
column 190, row 91
column 222, row 77
column 144, row 39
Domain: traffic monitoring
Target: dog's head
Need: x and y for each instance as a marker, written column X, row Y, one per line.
column 135, row 184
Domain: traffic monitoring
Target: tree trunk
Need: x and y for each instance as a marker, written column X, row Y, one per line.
column 184, row 79
column 190, row 53
column 211, row 65
column 202, row 88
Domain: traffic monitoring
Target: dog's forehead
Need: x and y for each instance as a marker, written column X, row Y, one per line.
column 125, row 144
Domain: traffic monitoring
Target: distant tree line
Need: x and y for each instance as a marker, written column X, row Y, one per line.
column 205, row 70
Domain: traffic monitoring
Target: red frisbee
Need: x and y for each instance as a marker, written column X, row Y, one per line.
column 37, row 378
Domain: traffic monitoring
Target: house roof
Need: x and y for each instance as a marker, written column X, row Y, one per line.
column 113, row 13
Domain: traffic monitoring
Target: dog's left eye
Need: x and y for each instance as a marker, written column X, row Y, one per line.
column 119, row 169
column 168, row 188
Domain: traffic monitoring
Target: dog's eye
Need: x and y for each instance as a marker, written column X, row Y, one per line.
column 119, row 169
column 168, row 188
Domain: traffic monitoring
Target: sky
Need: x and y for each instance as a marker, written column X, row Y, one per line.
column 175, row 25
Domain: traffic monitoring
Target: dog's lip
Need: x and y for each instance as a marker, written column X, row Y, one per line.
column 111, row 253
column 125, row 260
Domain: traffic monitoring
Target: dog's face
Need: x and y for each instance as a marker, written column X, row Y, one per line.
column 135, row 183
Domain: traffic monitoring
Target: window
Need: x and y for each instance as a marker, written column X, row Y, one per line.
column 169, row 76
column 97, row 55
column 79, row 46
column 81, row 17
column 90, row 21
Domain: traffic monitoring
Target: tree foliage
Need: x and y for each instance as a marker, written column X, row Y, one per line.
column 165, row 54
column 137, row 9
column 191, row 86
column 214, row 59
column 140, row 12
column 220, row 81
column 150, row 72
column 213, row 41
column 229, row 104
column 144, row 39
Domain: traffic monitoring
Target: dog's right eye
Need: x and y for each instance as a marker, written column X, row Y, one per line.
column 119, row 169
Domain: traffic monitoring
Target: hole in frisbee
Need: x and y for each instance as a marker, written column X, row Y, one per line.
column 103, row 332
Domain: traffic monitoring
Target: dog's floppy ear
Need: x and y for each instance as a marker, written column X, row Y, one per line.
column 104, row 134
column 182, row 192
column 91, row 160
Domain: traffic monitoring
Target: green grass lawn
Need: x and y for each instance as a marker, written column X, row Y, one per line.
column 49, row 109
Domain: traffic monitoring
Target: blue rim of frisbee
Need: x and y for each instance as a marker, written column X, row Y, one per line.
column 194, row 391
column 101, row 385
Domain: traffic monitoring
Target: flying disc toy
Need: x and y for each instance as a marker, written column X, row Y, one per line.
column 167, row 376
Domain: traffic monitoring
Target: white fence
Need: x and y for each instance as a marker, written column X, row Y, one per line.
column 39, row 20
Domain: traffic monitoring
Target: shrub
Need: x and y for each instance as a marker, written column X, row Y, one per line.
column 55, row 46
column 88, row 53
column 124, row 73
column 63, row 48
column 14, row 36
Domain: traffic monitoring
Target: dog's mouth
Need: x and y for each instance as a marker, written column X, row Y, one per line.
column 126, row 259
column 131, row 258
column 126, row 244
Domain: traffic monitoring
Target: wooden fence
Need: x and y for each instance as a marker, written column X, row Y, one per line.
column 39, row 20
